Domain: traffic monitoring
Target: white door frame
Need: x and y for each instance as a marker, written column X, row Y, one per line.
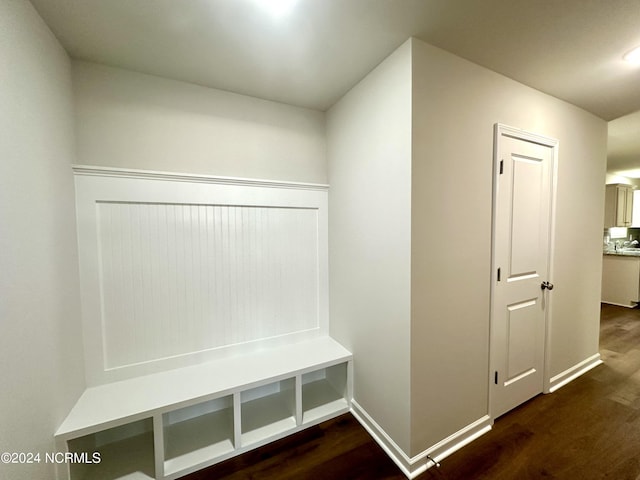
column 501, row 130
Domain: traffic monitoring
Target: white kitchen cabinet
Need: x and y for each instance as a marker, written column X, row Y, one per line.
column 635, row 217
column 621, row 280
column 618, row 210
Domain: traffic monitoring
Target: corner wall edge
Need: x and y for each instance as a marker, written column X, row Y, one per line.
column 418, row 464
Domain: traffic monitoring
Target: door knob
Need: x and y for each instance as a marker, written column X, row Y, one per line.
column 547, row 285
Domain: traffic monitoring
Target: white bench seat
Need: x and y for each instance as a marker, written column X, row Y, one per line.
column 300, row 369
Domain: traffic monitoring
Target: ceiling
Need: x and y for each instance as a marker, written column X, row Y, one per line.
column 571, row 49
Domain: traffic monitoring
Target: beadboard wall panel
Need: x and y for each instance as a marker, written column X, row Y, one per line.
column 177, row 270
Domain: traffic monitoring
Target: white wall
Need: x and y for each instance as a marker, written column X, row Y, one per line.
column 455, row 106
column 418, row 236
column 131, row 120
column 369, row 154
column 40, row 345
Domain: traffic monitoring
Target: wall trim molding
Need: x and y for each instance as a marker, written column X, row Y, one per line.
column 380, row 436
column 192, row 177
column 454, row 442
column 625, row 305
column 574, row 372
column 418, row 464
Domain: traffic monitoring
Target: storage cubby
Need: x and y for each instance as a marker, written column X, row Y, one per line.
column 197, row 434
column 126, row 452
column 267, row 411
column 324, row 393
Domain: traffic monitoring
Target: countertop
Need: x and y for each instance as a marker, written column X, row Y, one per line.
column 625, row 252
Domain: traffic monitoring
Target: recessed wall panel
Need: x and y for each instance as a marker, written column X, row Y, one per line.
column 178, row 278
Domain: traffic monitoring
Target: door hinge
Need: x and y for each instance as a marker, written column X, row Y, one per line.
column 495, row 377
column 498, row 273
column 501, row 167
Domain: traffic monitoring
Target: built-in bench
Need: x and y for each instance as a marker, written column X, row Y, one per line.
column 169, row 424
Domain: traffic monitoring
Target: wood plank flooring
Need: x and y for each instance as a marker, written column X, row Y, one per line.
column 587, row 430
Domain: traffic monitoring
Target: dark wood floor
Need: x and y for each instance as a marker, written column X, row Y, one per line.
column 587, row 430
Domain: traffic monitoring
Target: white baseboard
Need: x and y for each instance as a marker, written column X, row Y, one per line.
column 414, row 466
column 574, row 372
column 626, row 305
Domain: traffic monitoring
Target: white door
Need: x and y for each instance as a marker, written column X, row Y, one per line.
column 523, row 199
